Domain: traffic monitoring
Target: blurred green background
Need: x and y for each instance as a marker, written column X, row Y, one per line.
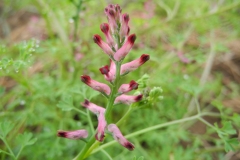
column 46, row 46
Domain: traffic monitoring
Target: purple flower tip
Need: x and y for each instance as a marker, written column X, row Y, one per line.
column 139, row 98
column 132, row 38
column 104, row 28
column 133, row 84
column 129, row 146
column 86, row 79
column 97, row 39
column 104, row 70
column 144, row 58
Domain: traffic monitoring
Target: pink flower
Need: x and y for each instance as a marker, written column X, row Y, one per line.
column 124, row 28
column 109, row 73
column 101, row 87
column 105, row 29
column 124, row 88
column 111, row 16
column 93, row 107
column 127, row 99
column 124, row 50
column 118, row 13
column 101, row 127
column 117, row 135
column 73, row 134
column 133, row 65
column 105, row 47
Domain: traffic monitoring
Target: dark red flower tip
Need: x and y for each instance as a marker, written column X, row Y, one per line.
column 104, row 28
column 144, row 58
column 85, row 103
column 97, row 39
column 62, row 134
column 106, row 10
column 128, row 31
column 86, row 79
column 111, row 6
column 111, row 13
column 118, row 8
column 132, row 38
column 133, row 84
column 126, row 17
column 139, row 98
column 129, row 146
column 104, row 69
column 101, row 137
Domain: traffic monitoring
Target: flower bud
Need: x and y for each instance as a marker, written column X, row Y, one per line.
column 104, row 46
column 117, row 135
column 124, row 50
column 101, row 87
column 73, row 134
column 93, row 107
column 133, row 65
column 124, row 88
column 127, row 99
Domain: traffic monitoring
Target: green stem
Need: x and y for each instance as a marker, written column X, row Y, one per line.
column 83, row 152
column 19, row 152
column 114, row 92
column 9, row 148
column 124, row 117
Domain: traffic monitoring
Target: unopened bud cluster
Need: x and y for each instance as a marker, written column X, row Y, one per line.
column 118, row 44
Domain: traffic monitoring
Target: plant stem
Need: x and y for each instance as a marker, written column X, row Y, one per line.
column 8, row 147
column 114, row 90
column 125, row 116
column 81, row 155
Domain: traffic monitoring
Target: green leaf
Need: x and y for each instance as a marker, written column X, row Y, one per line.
column 66, row 104
column 228, row 128
column 26, row 139
column 5, row 128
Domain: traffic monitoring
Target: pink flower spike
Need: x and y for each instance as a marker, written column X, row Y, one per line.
column 105, row 29
column 117, row 135
column 124, row 88
column 102, row 124
column 124, row 28
column 101, row 87
column 124, row 50
column 104, row 46
column 127, row 99
column 93, row 107
column 133, row 65
column 73, row 134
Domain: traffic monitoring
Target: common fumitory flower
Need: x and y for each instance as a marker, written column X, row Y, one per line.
column 104, row 46
column 93, row 107
column 124, row 88
column 124, row 28
column 109, row 73
column 133, row 65
column 117, row 135
column 101, row 87
column 124, row 50
column 102, row 124
column 127, row 99
column 73, row 134
column 105, row 29
column 111, row 16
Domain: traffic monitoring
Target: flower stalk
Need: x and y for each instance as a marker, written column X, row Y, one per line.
column 118, row 29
